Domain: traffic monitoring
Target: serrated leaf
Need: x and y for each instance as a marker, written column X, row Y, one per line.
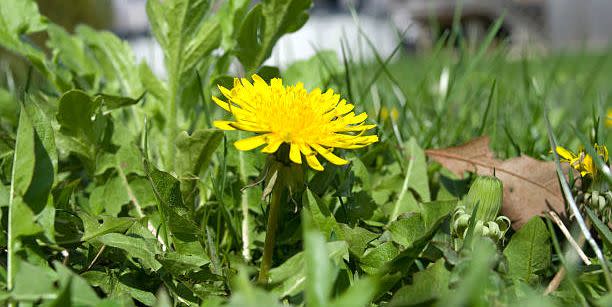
column 93, row 229
column 264, row 25
column 180, row 263
column 528, row 252
column 115, row 58
column 176, row 216
column 184, row 32
column 144, row 250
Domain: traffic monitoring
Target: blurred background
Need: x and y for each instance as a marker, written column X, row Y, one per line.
column 414, row 25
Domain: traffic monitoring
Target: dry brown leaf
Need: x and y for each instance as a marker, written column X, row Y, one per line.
column 530, row 186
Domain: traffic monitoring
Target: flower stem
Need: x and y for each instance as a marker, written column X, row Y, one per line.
column 266, row 262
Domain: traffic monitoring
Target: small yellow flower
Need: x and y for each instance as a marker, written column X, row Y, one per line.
column 384, row 113
column 310, row 123
column 583, row 162
column 609, row 118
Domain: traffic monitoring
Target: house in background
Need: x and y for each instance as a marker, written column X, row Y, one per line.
column 546, row 24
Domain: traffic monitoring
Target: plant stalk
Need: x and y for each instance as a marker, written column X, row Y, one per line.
column 172, row 123
column 266, row 262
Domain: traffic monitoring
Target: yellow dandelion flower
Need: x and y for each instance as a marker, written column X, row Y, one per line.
column 582, row 161
column 310, row 123
column 609, row 118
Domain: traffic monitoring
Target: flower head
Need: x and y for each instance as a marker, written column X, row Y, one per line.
column 582, row 161
column 310, row 123
column 609, row 118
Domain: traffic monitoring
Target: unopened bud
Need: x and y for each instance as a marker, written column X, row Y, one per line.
column 487, row 192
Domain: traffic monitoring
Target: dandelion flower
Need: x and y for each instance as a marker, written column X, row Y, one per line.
column 609, row 118
column 582, row 161
column 310, row 123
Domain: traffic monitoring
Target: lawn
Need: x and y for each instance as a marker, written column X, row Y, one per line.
column 121, row 188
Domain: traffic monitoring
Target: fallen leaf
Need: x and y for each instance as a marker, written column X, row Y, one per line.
column 530, row 186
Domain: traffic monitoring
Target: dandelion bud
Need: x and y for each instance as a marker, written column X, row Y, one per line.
column 487, row 192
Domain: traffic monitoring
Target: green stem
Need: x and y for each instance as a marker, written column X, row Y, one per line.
column 172, row 122
column 266, row 262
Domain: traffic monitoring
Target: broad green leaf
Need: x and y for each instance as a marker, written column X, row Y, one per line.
column 35, row 157
column 361, row 293
column 436, row 211
column 175, row 215
column 34, row 167
column 290, row 276
column 320, row 215
column 377, row 257
column 181, row 263
column 194, row 152
column 359, row 206
column 477, row 282
column 128, row 159
column 264, row 25
column 418, row 179
column 528, row 252
column 82, row 130
column 358, row 239
column 142, row 249
column 109, row 197
column 427, row 286
column 93, row 229
column 25, row 288
column 115, row 287
column 404, row 260
column 406, row 231
column 24, row 220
